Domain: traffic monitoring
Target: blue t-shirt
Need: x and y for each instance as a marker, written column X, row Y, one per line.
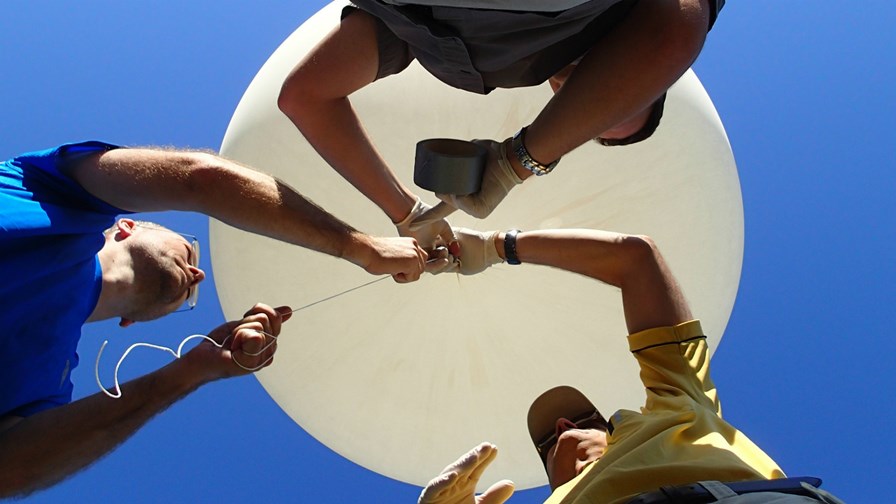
column 50, row 278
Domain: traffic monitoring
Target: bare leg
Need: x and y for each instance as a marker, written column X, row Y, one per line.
column 619, row 78
column 315, row 98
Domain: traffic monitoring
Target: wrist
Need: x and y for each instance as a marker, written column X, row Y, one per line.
column 522, row 155
column 401, row 210
column 518, row 168
column 189, row 372
column 498, row 242
column 359, row 249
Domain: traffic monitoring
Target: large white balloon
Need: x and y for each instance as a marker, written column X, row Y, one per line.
column 402, row 379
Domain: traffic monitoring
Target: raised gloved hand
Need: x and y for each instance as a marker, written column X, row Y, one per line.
column 457, row 482
column 431, row 232
column 497, row 180
column 477, row 251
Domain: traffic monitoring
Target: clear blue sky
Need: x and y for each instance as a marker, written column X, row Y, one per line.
column 805, row 90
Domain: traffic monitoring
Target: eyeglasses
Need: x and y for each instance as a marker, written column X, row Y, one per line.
column 593, row 420
column 193, row 294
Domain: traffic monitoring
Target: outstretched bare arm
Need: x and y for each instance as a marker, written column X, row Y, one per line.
column 143, row 180
column 651, row 296
column 41, row 450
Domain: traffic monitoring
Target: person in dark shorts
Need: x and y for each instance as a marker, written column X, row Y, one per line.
column 610, row 63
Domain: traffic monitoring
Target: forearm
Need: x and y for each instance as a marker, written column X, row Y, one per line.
column 44, row 449
column 623, row 74
column 315, row 98
column 351, row 153
column 270, row 207
column 143, row 180
column 651, row 296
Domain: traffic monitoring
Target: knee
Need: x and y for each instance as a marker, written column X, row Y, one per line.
column 294, row 93
column 677, row 28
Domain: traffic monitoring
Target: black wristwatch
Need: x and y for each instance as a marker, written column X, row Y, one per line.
column 510, row 247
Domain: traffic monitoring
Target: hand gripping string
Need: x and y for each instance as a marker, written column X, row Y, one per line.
column 177, row 355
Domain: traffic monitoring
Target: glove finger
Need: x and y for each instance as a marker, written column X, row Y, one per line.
column 486, row 456
column 465, row 204
column 438, row 212
column 497, row 493
column 443, row 265
column 447, row 233
column 468, row 460
column 437, row 486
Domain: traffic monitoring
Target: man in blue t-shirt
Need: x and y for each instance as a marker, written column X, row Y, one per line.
column 66, row 259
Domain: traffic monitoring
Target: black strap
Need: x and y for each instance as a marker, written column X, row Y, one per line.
column 695, row 493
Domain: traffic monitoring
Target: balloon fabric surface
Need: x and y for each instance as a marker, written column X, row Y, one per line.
column 399, row 378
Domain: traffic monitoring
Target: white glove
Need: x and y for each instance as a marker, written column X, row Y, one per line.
column 457, row 482
column 477, row 251
column 497, row 180
column 431, row 232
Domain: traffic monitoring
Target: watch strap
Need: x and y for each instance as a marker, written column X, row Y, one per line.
column 525, row 159
column 510, row 255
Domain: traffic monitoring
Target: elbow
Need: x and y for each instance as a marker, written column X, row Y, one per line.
column 639, row 256
column 677, row 30
column 206, row 177
column 288, row 101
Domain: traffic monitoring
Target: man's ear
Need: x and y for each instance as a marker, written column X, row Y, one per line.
column 125, row 227
column 123, row 322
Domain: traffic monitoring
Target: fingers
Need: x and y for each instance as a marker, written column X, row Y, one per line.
column 469, row 464
column 285, row 313
column 457, row 482
column 270, row 319
column 251, row 348
column 472, row 204
column 401, row 257
column 436, row 487
column 412, row 272
column 436, row 213
column 254, row 338
column 249, row 339
column 497, row 493
column 441, row 261
column 486, row 455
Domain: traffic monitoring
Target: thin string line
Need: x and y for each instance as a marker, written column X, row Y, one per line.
column 309, row 305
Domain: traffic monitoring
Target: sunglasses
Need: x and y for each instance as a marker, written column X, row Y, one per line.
column 193, row 294
column 593, row 420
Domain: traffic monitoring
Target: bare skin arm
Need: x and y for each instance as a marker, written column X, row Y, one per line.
column 315, row 98
column 651, row 296
column 619, row 78
column 143, row 180
column 41, row 450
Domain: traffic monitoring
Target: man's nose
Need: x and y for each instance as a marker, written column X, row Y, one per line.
column 563, row 425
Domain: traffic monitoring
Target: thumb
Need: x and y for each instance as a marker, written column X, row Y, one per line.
column 497, row 493
column 438, row 212
column 285, row 312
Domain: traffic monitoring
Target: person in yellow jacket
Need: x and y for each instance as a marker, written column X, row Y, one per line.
column 677, row 448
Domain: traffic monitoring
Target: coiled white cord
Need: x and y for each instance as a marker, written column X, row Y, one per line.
column 177, row 355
